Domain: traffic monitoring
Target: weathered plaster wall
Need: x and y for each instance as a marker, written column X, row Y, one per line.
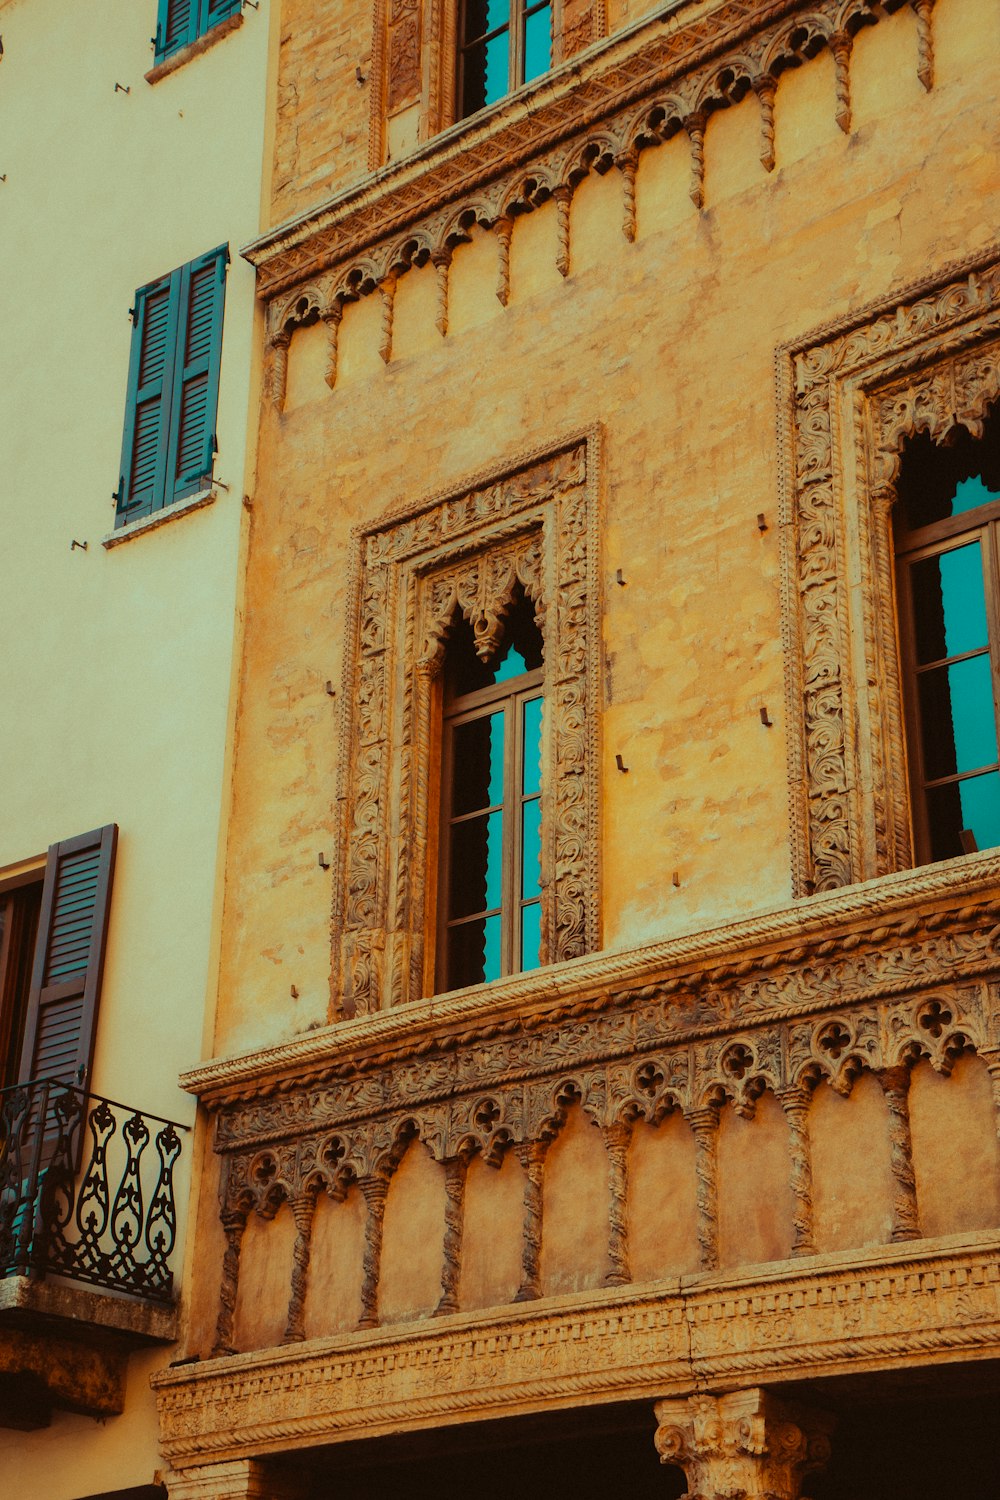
column 116, row 666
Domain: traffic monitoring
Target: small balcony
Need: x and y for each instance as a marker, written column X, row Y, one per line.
column 87, row 1237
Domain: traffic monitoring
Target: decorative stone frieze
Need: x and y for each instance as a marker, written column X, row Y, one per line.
column 637, row 91
column 745, row 1443
column 898, row 1308
column 853, row 394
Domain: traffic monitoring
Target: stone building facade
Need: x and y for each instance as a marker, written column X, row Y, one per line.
column 671, row 372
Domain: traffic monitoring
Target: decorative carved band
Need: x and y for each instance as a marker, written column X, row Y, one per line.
column 929, row 362
column 534, row 526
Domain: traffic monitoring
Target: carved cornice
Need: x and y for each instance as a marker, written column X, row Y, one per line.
column 884, row 1310
column 861, row 926
column 603, row 107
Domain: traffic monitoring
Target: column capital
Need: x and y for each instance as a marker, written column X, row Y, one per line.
column 745, row 1443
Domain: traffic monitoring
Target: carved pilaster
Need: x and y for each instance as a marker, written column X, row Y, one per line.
column 233, row 1224
column 277, row 369
column 628, row 165
column 563, row 197
column 503, row 229
column 240, row 1479
column 746, row 1443
column 616, row 1138
column 695, row 127
column 765, row 89
column 456, row 1172
column 925, row 42
column 302, row 1211
column 387, row 292
column 842, row 45
column 332, row 319
column 375, row 1190
column 896, row 1087
column 795, row 1103
column 705, row 1127
column 442, row 268
column 532, row 1159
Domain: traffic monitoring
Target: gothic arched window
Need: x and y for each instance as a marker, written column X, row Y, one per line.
column 947, row 541
column 489, row 901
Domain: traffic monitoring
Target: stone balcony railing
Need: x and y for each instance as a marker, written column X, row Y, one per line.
column 738, row 1157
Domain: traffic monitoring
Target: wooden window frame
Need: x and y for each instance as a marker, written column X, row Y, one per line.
column 518, row 14
column 13, row 936
column 509, row 697
column 169, row 486
column 915, row 545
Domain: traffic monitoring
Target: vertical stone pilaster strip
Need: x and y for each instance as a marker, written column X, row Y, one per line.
column 332, row 319
column 705, row 1126
column 563, row 197
column 456, row 1172
column 905, row 1219
column 628, row 165
column 303, row 1212
column 442, row 266
column 842, row 45
column 503, row 229
column 992, row 1061
column 387, row 293
column 695, row 127
column 765, row 89
column 532, row 1158
column 233, row 1224
column 925, row 42
column 795, row 1103
column 375, row 1190
column 616, row 1139
column 277, row 373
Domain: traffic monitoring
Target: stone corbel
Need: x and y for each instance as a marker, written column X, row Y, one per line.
column 745, row 1443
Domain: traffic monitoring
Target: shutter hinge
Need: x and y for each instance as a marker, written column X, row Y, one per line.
column 133, row 314
column 154, row 41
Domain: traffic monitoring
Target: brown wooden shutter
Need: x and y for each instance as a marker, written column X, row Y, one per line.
column 69, row 958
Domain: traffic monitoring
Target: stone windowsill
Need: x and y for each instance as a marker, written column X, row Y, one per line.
column 194, row 49
column 173, row 512
column 25, row 1301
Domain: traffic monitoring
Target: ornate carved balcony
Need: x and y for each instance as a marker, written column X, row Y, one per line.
column 87, row 1232
column 740, row 1156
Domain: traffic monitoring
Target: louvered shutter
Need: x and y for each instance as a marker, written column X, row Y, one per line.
column 218, row 10
column 196, row 382
column 69, row 958
column 176, row 25
column 142, row 483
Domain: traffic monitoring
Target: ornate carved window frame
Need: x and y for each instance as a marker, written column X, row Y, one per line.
column 852, row 395
column 535, row 522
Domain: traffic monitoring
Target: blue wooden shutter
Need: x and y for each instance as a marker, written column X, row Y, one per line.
column 142, row 482
column 217, row 10
column 176, row 25
column 69, row 958
column 196, row 381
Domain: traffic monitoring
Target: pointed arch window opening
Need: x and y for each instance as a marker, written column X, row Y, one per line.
column 490, row 896
column 946, row 524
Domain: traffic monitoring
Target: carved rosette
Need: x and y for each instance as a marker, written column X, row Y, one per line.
column 745, row 1443
column 534, row 528
column 930, row 364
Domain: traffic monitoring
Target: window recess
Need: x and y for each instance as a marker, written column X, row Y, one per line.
column 504, row 43
column 181, row 22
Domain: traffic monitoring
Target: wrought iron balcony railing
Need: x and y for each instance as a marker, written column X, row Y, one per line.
column 81, row 1196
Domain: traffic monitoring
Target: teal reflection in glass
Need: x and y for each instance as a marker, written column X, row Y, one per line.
column 970, row 494
column 537, row 43
column 474, row 952
column 972, row 804
column 531, row 936
column 531, row 848
column 531, row 776
column 949, row 604
column 956, row 712
column 511, row 664
column 476, row 865
column 477, row 753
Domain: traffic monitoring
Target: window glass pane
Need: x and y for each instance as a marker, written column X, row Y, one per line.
column 537, row 43
column 483, row 16
column 531, row 848
column 531, row 724
column 476, row 865
column 531, row 936
column 949, row 607
column 970, row 494
column 973, row 804
column 474, row 952
column 477, row 754
column 956, row 717
column 485, row 73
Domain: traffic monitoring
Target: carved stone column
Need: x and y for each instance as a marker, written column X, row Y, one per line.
column 745, row 1443
column 795, row 1103
column 532, row 1159
column 456, row 1171
column 616, row 1138
column 896, row 1087
column 240, row 1479
column 303, row 1209
column 375, row 1190
column 233, row 1224
column 705, row 1127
